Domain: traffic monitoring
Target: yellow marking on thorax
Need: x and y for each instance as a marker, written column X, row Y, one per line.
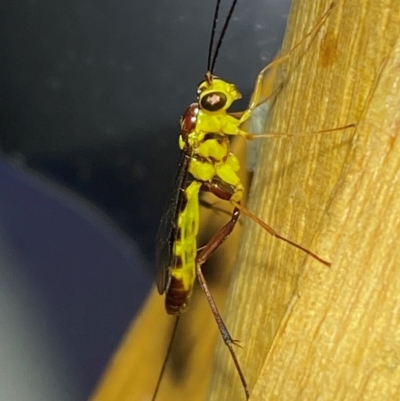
column 211, row 148
column 220, row 122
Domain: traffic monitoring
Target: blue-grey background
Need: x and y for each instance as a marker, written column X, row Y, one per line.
column 90, row 97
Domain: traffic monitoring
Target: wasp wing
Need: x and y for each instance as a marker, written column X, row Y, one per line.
column 168, row 230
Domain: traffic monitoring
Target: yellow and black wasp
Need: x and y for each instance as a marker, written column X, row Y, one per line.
column 207, row 164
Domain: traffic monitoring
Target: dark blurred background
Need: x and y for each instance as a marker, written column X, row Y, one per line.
column 91, row 93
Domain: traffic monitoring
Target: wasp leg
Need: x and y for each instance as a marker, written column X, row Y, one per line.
column 255, row 99
column 202, row 257
column 223, row 191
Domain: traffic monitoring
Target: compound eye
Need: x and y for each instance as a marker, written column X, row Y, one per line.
column 213, row 101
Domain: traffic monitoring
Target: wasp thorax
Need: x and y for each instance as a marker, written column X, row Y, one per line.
column 215, row 94
column 189, row 118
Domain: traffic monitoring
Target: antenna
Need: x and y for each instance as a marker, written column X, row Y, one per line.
column 214, row 26
column 221, row 37
column 212, row 59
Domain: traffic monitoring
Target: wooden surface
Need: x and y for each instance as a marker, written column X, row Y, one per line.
column 311, row 332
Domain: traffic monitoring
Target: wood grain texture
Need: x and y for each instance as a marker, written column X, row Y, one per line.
column 311, row 332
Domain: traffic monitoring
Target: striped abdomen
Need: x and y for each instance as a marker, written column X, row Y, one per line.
column 183, row 274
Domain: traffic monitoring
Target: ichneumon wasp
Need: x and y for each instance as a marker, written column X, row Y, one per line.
column 207, row 164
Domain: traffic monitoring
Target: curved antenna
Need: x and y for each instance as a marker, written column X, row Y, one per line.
column 221, row 37
column 210, row 46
